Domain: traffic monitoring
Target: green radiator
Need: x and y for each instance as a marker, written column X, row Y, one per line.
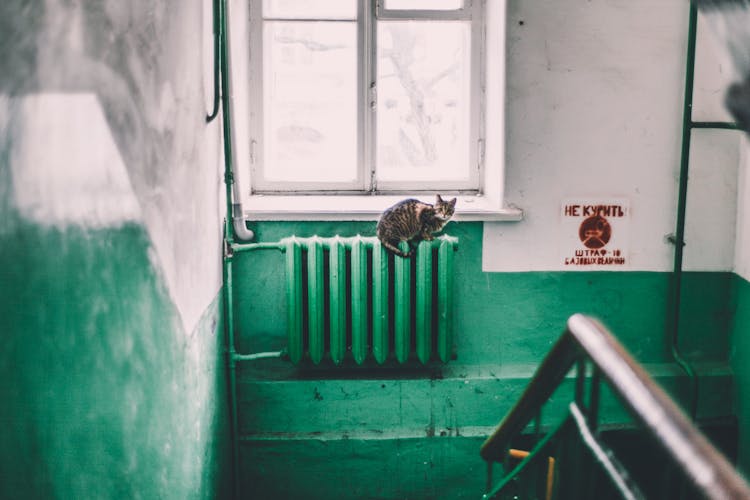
column 350, row 294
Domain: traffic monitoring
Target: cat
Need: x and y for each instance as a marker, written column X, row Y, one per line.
column 412, row 221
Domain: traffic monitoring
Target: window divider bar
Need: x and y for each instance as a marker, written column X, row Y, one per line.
column 425, row 15
column 368, row 100
column 308, row 20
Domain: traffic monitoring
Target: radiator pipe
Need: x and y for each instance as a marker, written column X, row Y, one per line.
column 260, row 355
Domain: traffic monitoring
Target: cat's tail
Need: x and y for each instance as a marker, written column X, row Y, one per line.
column 396, row 250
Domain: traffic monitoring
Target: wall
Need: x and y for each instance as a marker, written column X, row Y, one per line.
column 111, row 374
column 594, row 112
column 740, row 353
column 729, row 23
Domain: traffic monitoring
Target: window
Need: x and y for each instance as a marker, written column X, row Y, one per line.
column 385, row 97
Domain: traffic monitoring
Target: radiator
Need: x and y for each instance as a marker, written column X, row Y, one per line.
column 351, row 295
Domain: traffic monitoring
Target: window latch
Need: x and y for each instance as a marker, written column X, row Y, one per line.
column 373, row 96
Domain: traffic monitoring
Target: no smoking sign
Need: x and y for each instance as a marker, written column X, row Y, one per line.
column 594, row 232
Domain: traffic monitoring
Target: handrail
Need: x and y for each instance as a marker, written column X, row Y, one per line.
column 584, row 337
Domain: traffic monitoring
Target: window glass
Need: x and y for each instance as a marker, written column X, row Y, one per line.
column 310, row 9
column 310, row 101
column 424, row 100
column 424, row 4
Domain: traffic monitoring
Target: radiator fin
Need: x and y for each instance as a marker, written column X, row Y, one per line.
column 294, row 299
column 402, row 306
column 379, row 303
column 423, row 312
column 315, row 311
column 359, row 300
column 444, row 294
column 337, row 299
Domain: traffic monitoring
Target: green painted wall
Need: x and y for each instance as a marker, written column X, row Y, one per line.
column 104, row 395
column 415, row 425
column 740, row 356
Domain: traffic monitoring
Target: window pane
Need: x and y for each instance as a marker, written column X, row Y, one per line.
column 310, row 101
column 423, row 101
column 424, row 4
column 310, row 9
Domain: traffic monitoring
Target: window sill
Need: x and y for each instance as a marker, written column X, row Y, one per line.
column 365, row 208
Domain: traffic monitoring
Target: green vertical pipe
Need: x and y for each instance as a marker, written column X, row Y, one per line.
column 315, row 311
column 423, row 312
column 359, row 300
column 402, row 305
column 220, row 72
column 674, row 314
column 379, row 303
column 231, row 366
column 337, row 293
column 294, row 299
column 444, row 304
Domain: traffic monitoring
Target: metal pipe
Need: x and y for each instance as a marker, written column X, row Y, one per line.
column 673, row 317
column 229, row 236
column 239, row 222
column 231, row 357
column 233, row 194
column 228, row 175
column 518, row 454
column 259, row 355
column 217, row 67
column 243, row 247
column 368, row 242
column 550, row 478
column 716, row 125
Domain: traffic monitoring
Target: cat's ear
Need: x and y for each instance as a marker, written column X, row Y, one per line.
column 452, row 203
column 439, row 199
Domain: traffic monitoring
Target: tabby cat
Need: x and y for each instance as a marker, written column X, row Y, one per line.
column 412, row 221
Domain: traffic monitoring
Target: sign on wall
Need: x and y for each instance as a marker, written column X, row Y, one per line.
column 594, row 233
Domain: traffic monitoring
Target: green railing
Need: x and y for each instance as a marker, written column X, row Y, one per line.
column 570, row 460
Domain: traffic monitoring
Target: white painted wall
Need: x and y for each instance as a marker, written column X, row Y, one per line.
column 742, row 248
column 594, row 110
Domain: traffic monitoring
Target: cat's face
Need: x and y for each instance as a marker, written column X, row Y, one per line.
column 444, row 209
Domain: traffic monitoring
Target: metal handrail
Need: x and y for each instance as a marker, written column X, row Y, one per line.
column 584, row 337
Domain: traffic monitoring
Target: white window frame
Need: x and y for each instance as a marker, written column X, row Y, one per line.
column 487, row 204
